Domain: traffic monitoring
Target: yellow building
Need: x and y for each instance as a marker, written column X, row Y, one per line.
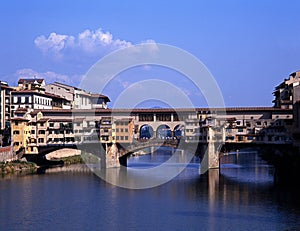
column 123, row 130
column 20, row 131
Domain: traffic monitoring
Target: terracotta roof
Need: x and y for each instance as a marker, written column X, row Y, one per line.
column 167, row 110
column 65, row 85
column 95, row 95
column 21, row 81
column 6, row 87
column 43, row 120
column 5, row 149
column 78, row 119
column 60, row 120
column 19, row 119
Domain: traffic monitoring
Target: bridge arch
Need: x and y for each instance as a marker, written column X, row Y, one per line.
column 63, row 152
column 163, row 132
column 146, row 131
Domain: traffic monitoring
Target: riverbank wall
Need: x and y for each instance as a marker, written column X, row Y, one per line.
column 7, row 154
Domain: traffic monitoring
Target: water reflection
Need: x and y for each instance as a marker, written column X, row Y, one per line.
column 241, row 197
column 247, row 167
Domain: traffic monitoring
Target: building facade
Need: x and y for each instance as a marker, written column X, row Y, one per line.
column 287, row 92
column 80, row 98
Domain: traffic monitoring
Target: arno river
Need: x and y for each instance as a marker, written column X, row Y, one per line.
column 242, row 197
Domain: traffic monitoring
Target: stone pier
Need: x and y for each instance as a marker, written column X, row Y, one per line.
column 209, row 154
column 112, row 156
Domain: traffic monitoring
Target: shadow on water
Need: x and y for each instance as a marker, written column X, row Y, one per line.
column 45, row 164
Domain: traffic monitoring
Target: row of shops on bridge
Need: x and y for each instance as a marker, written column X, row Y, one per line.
column 34, row 128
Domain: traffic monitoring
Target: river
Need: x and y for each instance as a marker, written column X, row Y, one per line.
column 241, row 196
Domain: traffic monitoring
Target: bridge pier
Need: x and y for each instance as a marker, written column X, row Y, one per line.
column 209, row 154
column 112, row 156
column 213, row 155
column 107, row 155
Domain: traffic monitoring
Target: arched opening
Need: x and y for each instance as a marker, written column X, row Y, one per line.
column 146, row 132
column 178, row 131
column 163, row 132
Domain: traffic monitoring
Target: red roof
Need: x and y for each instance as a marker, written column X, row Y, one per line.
column 94, row 95
column 19, row 119
column 21, row 110
column 166, row 110
column 21, row 81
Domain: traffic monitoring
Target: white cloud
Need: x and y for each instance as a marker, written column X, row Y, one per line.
column 49, row 76
column 54, row 44
column 89, row 42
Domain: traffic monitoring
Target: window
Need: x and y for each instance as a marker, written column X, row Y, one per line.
column 104, row 138
column 175, row 117
column 163, row 117
column 146, row 117
column 78, row 138
column 16, row 132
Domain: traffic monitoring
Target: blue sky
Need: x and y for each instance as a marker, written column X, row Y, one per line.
column 248, row 46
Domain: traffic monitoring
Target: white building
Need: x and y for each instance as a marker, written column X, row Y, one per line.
column 80, row 99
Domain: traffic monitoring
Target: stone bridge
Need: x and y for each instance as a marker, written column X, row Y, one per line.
column 116, row 154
